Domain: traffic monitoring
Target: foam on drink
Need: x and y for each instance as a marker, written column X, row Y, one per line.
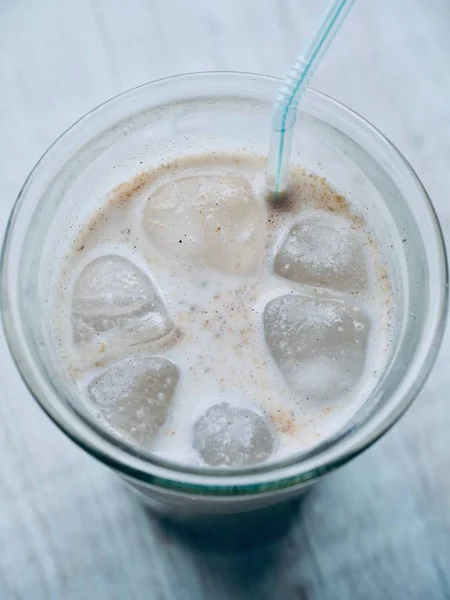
column 208, row 324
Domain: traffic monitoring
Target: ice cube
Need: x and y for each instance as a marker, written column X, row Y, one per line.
column 323, row 251
column 134, row 396
column 232, row 436
column 114, row 296
column 214, row 220
column 319, row 345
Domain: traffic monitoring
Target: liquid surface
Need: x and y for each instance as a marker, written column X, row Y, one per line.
column 207, row 323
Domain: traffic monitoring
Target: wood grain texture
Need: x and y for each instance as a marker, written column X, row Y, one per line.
column 380, row 527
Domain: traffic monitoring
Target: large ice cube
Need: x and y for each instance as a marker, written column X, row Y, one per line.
column 323, row 251
column 113, row 295
column 232, row 436
column 214, row 220
column 134, row 396
column 319, row 345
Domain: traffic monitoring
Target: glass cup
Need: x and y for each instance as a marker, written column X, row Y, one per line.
column 226, row 112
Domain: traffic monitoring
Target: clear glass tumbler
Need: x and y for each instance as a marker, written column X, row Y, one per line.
column 227, row 112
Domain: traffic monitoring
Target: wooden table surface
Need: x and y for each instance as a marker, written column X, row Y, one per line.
column 377, row 529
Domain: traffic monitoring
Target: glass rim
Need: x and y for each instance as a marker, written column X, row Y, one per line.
column 146, row 467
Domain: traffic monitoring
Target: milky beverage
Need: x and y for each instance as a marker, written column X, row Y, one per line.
column 206, row 322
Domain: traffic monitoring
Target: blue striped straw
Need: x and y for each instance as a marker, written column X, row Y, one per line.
column 290, row 93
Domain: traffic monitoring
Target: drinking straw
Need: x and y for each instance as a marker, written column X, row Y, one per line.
column 290, row 93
